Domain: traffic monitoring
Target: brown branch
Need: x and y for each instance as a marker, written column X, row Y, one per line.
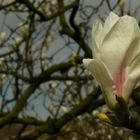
column 53, row 126
column 21, row 102
column 8, row 5
column 109, row 5
column 75, row 35
column 64, row 66
column 29, row 121
column 15, row 74
column 43, row 77
column 71, row 78
column 42, row 16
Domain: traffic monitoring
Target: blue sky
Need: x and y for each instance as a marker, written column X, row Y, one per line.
column 12, row 21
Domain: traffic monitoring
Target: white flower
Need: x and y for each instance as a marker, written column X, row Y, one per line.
column 2, row 62
column 54, row 2
column 2, row 79
column 2, row 37
column 69, row 83
column 18, row 40
column 51, row 109
column 43, row 7
column 64, row 109
column 116, row 52
column 49, row 39
column 69, row 97
column 24, row 28
column 52, row 84
column 53, row 6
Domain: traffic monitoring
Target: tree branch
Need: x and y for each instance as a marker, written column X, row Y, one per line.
column 75, row 35
column 53, row 126
column 21, row 102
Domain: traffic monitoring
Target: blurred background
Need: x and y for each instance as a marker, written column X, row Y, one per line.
column 45, row 92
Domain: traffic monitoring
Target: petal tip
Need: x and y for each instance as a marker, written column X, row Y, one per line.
column 112, row 14
column 86, row 62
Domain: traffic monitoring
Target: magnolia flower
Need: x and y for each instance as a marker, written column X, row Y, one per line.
column 49, row 39
column 2, row 79
column 1, row 62
column 53, row 6
column 116, row 57
column 24, row 28
column 2, row 37
column 18, row 40
column 64, row 109
column 43, row 6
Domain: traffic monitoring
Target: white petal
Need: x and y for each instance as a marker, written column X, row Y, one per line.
column 110, row 21
column 98, row 32
column 129, row 85
column 117, row 42
column 132, row 76
column 101, row 74
column 97, row 37
column 99, row 71
column 110, row 97
column 133, row 50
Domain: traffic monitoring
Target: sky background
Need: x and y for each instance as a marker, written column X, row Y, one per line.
column 12, row 21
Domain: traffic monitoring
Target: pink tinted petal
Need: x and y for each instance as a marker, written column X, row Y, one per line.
column 116, row 43
column 119, row 81
column 102, row 75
